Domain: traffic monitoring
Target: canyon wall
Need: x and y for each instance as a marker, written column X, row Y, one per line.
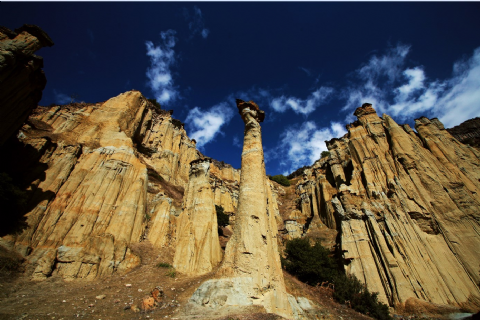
column 100, row 178
column 406, row 205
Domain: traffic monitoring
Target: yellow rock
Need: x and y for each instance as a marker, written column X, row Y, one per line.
column 197, row 250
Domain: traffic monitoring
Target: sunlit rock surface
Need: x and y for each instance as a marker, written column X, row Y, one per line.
column 104, row 176
column 250, row 273
column 407, row 206
column 197, row 250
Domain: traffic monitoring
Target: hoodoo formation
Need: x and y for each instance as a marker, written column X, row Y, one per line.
column 198, row 248
column 250, row 273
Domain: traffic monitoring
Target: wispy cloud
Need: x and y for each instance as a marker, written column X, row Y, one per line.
column 461, row 101
column 196, row 23
column 308, row 72
column 406, row 92
column 162, row 58
column 205, row 124
column 236, row 142
column 302, row 106
column 61, row 98
column 302, row 145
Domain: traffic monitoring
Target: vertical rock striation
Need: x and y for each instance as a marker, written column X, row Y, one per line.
column 21, row 76
column 102, row 177
column 250, row 273
column 407, row 207
column 198, row 248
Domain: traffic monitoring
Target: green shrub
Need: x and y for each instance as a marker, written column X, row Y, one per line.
column 164, row 265
column 222, row 218
column 313, row 265
column 324, row 154
column 281, row 179
column 171, row 273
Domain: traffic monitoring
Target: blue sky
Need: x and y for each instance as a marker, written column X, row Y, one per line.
column 308, row 65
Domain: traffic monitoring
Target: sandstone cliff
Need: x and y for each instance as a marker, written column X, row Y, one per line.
column 406, row 205
column 103, row 176
column 21, row 76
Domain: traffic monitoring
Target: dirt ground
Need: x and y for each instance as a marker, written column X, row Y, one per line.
column 112, row 297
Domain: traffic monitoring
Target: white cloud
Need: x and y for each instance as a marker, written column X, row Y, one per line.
column 406, row 93
column 61, row 98
column 303, row 145
column 308, row 72
column 302, row 106
column 462, row 99
column 205, row 125
column 388, row 65
column 196, row 24
column 237, row 143
column 205, row 33
column 162, row 57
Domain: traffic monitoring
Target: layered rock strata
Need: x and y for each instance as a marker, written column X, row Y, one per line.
column 250, row 273
column 197, row 250
column 21, row 76
column 406, row 205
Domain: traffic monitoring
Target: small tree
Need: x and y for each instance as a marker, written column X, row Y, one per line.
column 313, row 264
column 325, row 154
column 222, row 218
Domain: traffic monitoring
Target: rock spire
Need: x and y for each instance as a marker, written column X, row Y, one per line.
column 198, row 248
column 251, row 272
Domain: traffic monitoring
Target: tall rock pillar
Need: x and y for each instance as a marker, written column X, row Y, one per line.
column 198, row 248
column 251, row 273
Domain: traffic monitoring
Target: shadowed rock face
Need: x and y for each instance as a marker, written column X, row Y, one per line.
column 467, row 132
column 21, row 76
column 250, row 272
column 406, row 205
column 197, row 250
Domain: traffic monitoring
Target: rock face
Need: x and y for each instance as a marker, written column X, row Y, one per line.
column 467, row 132
column 406, row 205
column 250, row 273
column 21, row 76
column 198, row 248
column 103, row 176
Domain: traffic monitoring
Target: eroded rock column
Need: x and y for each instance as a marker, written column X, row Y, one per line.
column 198, row 248
column 251, row 271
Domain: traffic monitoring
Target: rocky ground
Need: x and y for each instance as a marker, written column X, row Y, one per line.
column 120, row 296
